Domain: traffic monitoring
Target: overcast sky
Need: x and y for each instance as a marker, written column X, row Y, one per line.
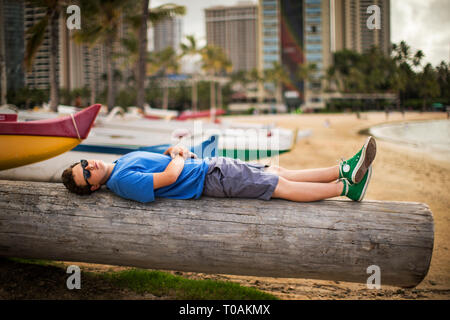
column 423, row 24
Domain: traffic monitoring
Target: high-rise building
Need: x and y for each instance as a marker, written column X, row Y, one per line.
column 292, row 38
column 78, row 65
column 269, row 33
column 234, row 29
column 39, row 76
column 350, row 25
column 167, row 33
column 268, row 43
column 82, row 66
column 13, row 42
column 73, row 60
column 295, row 33
column 317, row 49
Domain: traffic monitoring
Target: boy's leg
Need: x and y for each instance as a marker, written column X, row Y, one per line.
column 353, row 169
column 307, row 175
column 306, row 191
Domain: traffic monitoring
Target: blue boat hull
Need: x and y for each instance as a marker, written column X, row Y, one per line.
column 208, row 148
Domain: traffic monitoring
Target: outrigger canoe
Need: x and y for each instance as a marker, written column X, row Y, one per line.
column 27, row 142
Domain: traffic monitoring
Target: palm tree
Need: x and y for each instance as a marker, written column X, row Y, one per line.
column 307, row 72
column 131, row 45
column 255, row 75
column 375, row 66
column 403, row 68
column 333, row 81
column 3, row 81
column 167, row 62
column 191, row 49
column 214, row 61
column 141, row 66
column 101, row 22
column 443, row 78
column 154, row 15
column 226, row 68
column 417, row 59
column 278, row 75
column 429, row 87
column 36, row 38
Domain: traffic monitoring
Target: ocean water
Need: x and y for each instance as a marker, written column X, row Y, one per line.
column 425, row 136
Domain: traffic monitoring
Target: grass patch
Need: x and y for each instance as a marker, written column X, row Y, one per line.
column 158, row 283
column 164, row 284
column 38, row 262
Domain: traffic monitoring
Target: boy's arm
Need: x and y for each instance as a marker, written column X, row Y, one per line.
column 170, row 174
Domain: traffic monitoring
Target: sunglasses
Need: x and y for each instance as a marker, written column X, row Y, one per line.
column 86, row 173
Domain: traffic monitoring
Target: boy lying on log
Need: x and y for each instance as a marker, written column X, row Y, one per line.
column 142, row 176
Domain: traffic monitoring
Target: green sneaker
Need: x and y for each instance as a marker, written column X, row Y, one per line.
column 356, row 167
column 357, row 191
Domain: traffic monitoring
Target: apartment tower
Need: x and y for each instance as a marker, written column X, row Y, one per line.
column 350, row 25
column 317, row 48
column 39, row 76
column 78, row 65
column 167, row 33
column 295, row 33
column 235, row 29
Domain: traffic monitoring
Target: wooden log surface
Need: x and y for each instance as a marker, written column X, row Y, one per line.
column 330, row 239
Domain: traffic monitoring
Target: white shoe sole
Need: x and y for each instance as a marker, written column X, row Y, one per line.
column 363, row 193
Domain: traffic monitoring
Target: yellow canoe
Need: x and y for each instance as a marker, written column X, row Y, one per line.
column 21, row 150
column 28, row 142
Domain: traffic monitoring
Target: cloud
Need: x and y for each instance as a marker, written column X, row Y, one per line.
column 424, row 25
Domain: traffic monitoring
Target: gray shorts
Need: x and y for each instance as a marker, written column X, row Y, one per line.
column 233, row 178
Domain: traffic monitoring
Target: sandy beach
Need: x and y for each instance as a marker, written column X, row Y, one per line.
column 400, row 173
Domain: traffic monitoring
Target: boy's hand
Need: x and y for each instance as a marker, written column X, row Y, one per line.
column 180, row 150
column 192, row 155
column 174, row 151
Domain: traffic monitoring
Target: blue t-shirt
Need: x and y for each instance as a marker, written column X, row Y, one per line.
column 132, row 177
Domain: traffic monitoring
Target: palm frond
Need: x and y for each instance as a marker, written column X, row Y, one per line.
column 131, row 44
column 133, row 20
column 87, row 34
column 36, row 37
column 164, row 11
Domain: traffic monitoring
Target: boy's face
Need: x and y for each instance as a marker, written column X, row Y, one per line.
column 98, row 171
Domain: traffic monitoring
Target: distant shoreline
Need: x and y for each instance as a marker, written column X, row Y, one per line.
column 439, row 148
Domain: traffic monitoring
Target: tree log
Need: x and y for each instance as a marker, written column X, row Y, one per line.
column 330, row 239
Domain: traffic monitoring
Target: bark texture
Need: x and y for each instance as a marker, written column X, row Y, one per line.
column 330, row 240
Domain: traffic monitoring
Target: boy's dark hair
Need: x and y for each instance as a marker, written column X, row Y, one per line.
column 69, row 182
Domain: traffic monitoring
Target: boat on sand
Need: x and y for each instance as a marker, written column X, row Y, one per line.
column 32, row 141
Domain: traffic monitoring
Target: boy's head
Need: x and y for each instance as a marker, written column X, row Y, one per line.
column 85, row 176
